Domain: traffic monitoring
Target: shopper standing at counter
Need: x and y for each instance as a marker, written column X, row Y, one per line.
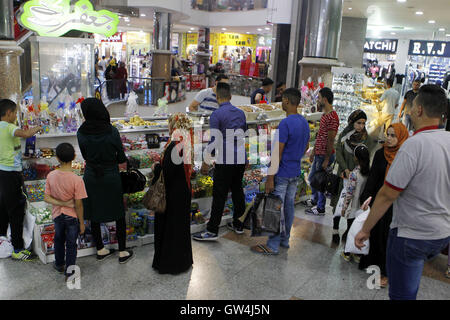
column 293, row 142
column 206, row 99
column 323, row 155
column 102, row 149
column 228, row 173
column 259, row 95
column 417, row 184
column 407, row 104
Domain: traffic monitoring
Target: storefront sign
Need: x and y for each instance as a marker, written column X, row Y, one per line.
column 381, row 46
column 239, row 40
column 429, row 48
column 54, row 18
column 115, row 38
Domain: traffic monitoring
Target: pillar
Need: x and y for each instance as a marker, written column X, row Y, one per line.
column 353, row 36
column 161, row 30
column 9, row 54
column 203, row 54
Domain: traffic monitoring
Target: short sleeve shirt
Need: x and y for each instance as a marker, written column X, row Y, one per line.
column 64, row 186
column 10, row 148
column 207, row 99
column 421, row 171
column 328, row 122
column 294, row 133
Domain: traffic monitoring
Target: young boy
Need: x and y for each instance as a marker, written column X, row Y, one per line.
column 12, row 191
column 65, row 191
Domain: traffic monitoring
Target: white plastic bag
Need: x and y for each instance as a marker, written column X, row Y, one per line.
column 340, row 204
column 356, row 227
column 6, row 248
column 28, row 229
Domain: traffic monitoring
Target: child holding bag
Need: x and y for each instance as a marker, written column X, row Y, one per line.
column 348, row 204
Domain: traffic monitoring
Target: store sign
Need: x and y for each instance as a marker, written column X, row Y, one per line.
column 429, row 48
column 54, row 18
column 115, row 38
column 381, row 46
column 192, row 38
column 239, row 40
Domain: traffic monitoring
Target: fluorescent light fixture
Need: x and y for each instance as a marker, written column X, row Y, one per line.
column 447, row 35
column 259, row 29
column 224, row 29
column 401, row 0
column 190, row 31
column 393, row 33
column 441, row 29
column 350, row 8
column 247, row 32
column 267, row 28
column 431, row 21
column 143, row 15
column 192, row 28
column 419, row 13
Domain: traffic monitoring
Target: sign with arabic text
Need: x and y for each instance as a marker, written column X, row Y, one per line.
column 429, row 48
column 54, row 18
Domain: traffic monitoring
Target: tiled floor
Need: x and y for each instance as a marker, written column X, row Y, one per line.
column 226, row 269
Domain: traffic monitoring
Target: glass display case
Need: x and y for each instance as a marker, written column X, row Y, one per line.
column 60, row 67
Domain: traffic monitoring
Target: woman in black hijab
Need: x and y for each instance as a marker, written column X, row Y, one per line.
column 102, row 149
column 354, row 134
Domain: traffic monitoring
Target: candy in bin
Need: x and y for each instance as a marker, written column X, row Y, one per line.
column 29, row 172
column 35, row 192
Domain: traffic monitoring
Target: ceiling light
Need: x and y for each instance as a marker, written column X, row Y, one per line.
column 259, row 29
column 247, row 32
column 431, row 21
column 419, row 13
column 447, row 35
column 401, row 0
column 350, row 8
column 267, row 29
column 441, row 29
column 192, row 28
column 393, row 33
column 143, row 14
column 128, row 24
column 224, row 29
column 190, row 31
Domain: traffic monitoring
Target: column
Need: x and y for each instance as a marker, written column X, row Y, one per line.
column 9, row 54
column 203, row 54
column 161, row 30
column 353, row 36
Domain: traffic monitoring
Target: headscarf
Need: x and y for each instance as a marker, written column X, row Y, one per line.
column 97, row 119
column 389, row 153
column 350, row 137
column 183, row 137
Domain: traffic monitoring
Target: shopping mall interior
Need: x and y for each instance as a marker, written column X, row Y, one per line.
column 147, row 60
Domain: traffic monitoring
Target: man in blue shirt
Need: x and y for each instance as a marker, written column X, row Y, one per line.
column 283, row 176
column 227, row 127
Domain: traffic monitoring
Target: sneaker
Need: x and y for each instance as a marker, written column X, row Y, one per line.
column 314, row 211
column 347, row 258
column 101, row 257
column 336, row 238
column 356, row 258
column 23, row 255
column 60, row 269
column 308, row 203
column 124, row 260
column 205, row 236
column 447, row 274
column 237, row 230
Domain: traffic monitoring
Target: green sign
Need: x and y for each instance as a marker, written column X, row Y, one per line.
column 54, row 18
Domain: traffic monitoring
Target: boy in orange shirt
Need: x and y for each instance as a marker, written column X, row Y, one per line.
column 65, row 191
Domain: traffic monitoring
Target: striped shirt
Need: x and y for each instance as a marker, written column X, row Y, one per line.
column 328, row 122
column 207, row 99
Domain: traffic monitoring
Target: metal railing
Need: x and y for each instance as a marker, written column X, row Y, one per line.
column 148, row 90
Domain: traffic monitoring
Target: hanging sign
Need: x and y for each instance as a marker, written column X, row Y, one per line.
column 239, row 40
column 54, row 18
column 114, row 38
column 429, row 48
column 388, row 46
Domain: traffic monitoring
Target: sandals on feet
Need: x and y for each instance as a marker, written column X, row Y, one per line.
column 263, row 249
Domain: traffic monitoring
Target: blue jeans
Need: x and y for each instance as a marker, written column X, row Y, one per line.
column 317, row 196
column 285, row 188
column 66, row 233
column 405, row 259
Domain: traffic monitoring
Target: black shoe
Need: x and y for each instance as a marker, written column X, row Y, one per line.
column 60, row 269
column 237, row 230
column 336, row 238
column 101, row 257
column 344, row 236
column 308, row 203
column 127, row 258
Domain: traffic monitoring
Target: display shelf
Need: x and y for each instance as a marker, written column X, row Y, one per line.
column 144, row 240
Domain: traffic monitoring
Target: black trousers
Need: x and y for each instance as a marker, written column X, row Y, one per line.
column 121, row 234
column 12, row 206
column 226, row 178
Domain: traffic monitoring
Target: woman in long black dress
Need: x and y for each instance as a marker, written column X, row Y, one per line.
column 173, row 249
column 102, row 149
column 396, row 136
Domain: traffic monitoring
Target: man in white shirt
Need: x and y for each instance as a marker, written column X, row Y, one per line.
column 391, row 98
column 206, row 99
column 102, row 67
column 418, row 185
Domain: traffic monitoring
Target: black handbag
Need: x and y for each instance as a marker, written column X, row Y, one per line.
column 332, row 182
column 132, row 180
column 266, row 215
column 319, row 180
